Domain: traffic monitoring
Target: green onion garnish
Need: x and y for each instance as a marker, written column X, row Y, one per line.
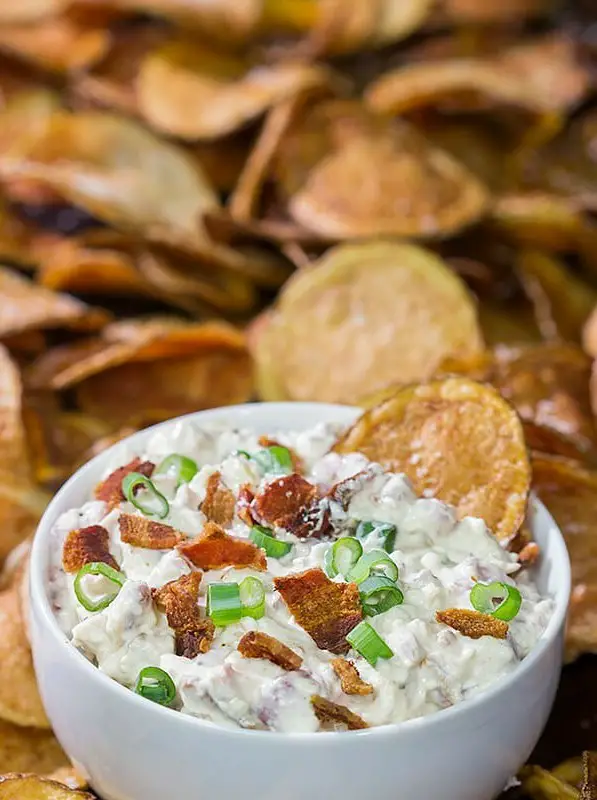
column 148, row 500
column 243, row 453
column 375, row 562
column 383, row 529
column 379, row 594
column 265, row 539
column 500, row 600
column 116, row 578
column 156, row 685
column 341, row 557
column 182, row 468
column 275, row 459
column 367, row 641
column 223, row 603
column 252, row 597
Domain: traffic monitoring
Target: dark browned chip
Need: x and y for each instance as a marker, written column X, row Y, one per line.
column 110, row 489
column 256, row 644
column 349, row 677
column 333, row 714
column 219, row 502
column 85, row 546
column 292, row 503
column 142, row 532
column 472, row 623
column 179, row 601
column 328, row 611
column 215, row 549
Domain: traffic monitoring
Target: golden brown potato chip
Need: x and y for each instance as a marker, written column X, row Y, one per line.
column 570, row 771
column 539, row 784
column 224, row 159
column 346, row 326
column 31, row 787
column 26, row 306
column 69, row 777
column 455, row 439
column 562, row 301
column 589, row 334
column 29, row 750
column 16, row 237
column 570, row 493
column 338, row 145
column 507, row 323
column 20, row 702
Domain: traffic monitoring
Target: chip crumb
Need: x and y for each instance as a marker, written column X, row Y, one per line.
column 110, row 489
column 256, row 644
column 85, row 546
column 215, row 549
column 473, row 624
column 333, row 713
column 349, row 677
column 142, row 532
column 219, row 502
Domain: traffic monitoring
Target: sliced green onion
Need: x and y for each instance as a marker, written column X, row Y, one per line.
column 265, row 539
column 156, row 685
column 367, row 641
column 116, row 578
column 182, row 468
column 379, row 594
column 244, row 453
column 274, row 459
column 223, row 603
column 500, row 600
column 341, row 557
column 252, row 597
column 375, row 562
column 149, row 501
column 383, row 529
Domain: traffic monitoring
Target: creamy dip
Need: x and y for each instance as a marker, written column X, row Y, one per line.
column 439, row 560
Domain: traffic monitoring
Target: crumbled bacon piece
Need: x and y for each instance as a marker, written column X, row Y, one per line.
column 216, row 549
column 343, row 491
column 179, row 601
column 297, row 461
column 243, row 504
column 351, row 681
column 86, row 546
column 110, row 489
column 219, row 502
column 255, row 644
column 328, row 611
column 529, row 554
column 473, row 624
column 333, row 714
column 292, row 503
column 142, row 532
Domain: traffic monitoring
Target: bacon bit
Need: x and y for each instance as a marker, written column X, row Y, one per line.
column 86, row 546
column 297, row 461
column 216, row 549
column 243, row 506
column 292, row 503
column 219, row 502
column 351, row 681
column 328, row 611
column 343, row 491
column 473, row 624
column 328, row 712
column 179, row 601
column 529, row 554
column 255, row 644
column 142, row 532
column 110, row 489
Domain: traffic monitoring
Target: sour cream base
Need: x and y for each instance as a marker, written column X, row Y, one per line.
column 439, row 560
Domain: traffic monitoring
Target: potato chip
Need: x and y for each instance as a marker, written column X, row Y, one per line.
column 338, row 145
column 69, row 777
column 223, row 160
column 570, row 771
column 16, row 237
column 570, row 493
column 455, row 439
column 562, row 301
column 539, row 784
column 507, row 323
column 346, row 326
column 29, row 750
column 26, row 306
column 30, row 787
column 589, row 334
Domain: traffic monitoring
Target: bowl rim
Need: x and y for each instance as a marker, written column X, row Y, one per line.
column 41, row 603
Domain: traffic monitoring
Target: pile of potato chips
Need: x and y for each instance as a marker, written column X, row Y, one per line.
column 207, row 203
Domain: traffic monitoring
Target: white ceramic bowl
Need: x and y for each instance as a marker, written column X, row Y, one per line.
column 134, row 750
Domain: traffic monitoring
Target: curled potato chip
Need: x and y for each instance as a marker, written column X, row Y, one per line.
column 455, row 439
column 346, row 326
column 539, row 784
column 570, row 771
column 31, row 787
column 504, row 323
column 29, row 750
column 338, row 145
column 570, row 493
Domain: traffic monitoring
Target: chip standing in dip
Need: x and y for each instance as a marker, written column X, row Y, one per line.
column 270, row 583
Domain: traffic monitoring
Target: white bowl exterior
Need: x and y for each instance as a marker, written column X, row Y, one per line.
column 134, row 750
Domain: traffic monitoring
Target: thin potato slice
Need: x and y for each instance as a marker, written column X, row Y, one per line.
column 366, row 316
column 31, row 787
column 539, row 784
column 570, row 493
column 69, row 777
column 29, row 750
column 457, row 440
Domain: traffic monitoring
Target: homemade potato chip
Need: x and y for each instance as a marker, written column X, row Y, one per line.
column 31, row 787
column 539, row 784
column 457, row 440
column 337, row 145
column 29, row 750
column 346, row 326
